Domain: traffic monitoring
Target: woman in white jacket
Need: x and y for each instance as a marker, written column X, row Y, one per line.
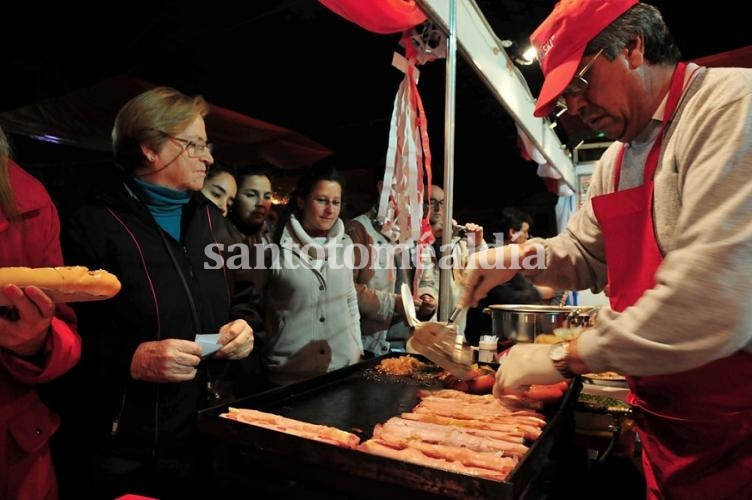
column 311, row 307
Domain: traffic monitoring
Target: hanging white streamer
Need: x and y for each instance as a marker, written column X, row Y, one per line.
column 404, row 157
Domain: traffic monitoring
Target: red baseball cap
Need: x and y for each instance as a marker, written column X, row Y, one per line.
column 561, row 40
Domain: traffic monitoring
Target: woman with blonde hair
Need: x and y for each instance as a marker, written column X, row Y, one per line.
column 154, row 230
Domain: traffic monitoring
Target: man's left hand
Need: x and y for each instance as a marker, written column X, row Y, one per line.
column 524, row 365
column 474, row 234
column 237, row 339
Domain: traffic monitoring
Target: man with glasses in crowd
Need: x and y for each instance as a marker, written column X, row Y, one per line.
column 668, row 227
column 382, row 315
column 464, row 240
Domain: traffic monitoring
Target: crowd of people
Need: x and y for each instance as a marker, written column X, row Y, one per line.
column 666, row 229
column 279, row 314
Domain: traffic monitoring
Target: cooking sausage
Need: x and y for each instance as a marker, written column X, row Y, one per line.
column 482, row 384
column 544, row 393
column 452, row 382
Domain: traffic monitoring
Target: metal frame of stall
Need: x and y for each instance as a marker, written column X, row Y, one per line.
column 468, row 30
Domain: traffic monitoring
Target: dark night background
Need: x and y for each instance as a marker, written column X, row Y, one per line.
column 298, row 65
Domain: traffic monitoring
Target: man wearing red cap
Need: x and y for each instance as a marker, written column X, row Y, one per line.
column 668, row 227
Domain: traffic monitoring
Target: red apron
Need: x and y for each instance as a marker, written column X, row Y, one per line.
column 695, row 426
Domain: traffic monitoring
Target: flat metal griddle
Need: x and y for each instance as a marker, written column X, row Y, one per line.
column 354, row 400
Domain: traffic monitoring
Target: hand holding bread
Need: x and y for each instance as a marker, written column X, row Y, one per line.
column 62, row 284
column 25, row 329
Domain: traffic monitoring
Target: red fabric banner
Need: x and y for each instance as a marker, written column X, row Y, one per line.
column 379, row 16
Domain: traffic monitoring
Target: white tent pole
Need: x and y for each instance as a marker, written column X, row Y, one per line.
column 445, row 285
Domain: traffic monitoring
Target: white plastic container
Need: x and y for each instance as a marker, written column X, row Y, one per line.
column 487, row 349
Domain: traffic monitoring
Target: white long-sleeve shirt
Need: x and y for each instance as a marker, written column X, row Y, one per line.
column 701, row 307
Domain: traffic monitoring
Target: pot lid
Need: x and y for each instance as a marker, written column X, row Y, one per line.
column 532, row 308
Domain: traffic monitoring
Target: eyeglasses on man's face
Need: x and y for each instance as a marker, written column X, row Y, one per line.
column 194, row 149
column 578, row 85
column 434, row 202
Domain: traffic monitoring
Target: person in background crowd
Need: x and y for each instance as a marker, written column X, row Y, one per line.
column 252, row 207
column 465, row 241
column 515, row 225
column 251, row 227
column 378, row 283
column 668, row 227
column 220, row 187
column 140, row 362
column 250, row 223
column 311, row 307
column 38, row 340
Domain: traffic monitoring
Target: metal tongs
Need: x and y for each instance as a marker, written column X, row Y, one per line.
column 583, row 316
column 438, row 341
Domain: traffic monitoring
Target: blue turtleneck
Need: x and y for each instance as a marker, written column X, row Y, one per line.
column 166, row 206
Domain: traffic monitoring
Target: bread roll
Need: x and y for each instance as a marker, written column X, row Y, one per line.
column 548, row 338
column 62, row 284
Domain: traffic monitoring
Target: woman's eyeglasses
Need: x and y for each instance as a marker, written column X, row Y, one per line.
column 194, row 150
column 578, row 85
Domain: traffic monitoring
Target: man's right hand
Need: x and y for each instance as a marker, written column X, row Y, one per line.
column 490, row 268
column 170, row 360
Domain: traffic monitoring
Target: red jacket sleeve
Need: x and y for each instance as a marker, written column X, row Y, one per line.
column 38, row 238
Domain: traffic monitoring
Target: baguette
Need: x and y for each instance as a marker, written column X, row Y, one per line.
column 62, row 284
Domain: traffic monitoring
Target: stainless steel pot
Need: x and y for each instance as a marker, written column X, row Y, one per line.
column 522, row 323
